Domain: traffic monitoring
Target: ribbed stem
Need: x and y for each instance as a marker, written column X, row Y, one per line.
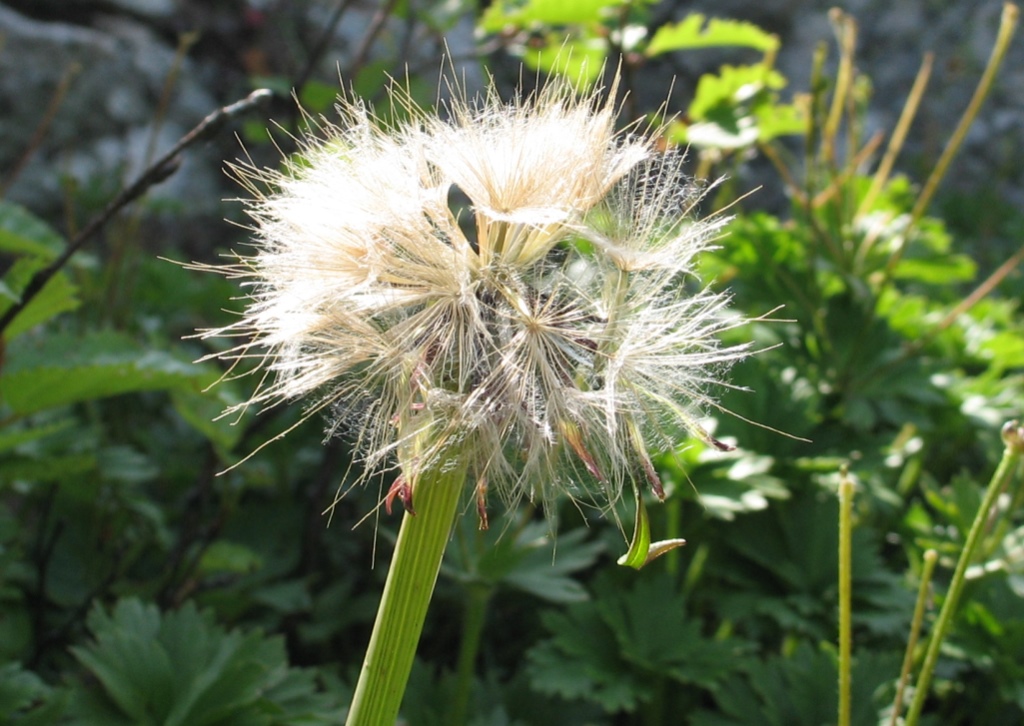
column 403, row 606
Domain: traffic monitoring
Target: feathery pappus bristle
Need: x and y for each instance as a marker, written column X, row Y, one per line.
column 547, row 336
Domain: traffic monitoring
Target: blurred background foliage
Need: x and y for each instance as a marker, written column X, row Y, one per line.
column 143, row 580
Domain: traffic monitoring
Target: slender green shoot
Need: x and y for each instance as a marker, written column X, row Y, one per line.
column 845, row 578
column 930, row 558
column 1013, row 437
column 473, row 620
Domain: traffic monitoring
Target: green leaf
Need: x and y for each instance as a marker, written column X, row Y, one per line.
column 730, row 90
column 202, row 411
column 317, row 96
column 522, row 557
column 223, row 556
column 181, row 669
column 944, row 270
column 691, row 33
column 800, row 690
column 613, row 649
column 61, row 369
column 57, row 296
column 653, row 632
column 26, row 700
column 22, row 233
column 736, row 108
column 581, row 660
column 13, row 437
column 502, row 14
column 580, row 61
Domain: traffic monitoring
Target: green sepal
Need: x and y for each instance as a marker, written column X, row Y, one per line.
column 641, row 550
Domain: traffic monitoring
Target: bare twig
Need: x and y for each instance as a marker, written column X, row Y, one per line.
column 322, row 43
column 161, row 169
column 43, row 127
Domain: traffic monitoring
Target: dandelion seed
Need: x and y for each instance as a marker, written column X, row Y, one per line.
column 545, row 347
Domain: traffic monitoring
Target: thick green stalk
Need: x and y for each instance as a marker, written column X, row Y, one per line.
column 1013, row 437
column 403, row 606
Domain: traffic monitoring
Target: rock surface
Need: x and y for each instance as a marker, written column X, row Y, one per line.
column 121, row 53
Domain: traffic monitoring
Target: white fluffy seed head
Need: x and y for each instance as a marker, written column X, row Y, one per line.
column 548, row 335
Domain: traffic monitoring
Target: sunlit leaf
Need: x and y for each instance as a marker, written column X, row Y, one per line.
column 692, row 32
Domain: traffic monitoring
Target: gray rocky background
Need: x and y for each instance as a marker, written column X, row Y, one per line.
column 119, row 55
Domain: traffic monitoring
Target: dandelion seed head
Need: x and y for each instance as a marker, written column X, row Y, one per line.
column 546, row 337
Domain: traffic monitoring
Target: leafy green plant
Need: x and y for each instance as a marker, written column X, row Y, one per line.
column 631, row 649
column 181, row 668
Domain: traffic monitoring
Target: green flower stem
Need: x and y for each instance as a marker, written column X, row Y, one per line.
column 403, row 606
column 1013, row 436
column 930, row 558
column 472, row 630
column 845, row 560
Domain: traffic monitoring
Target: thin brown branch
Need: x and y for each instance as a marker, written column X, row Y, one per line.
column 43, row 127
column 161, row 169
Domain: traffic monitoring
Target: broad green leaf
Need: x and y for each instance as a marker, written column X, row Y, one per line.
column 579, row 61
column 800, row 690
column 318, row 97
column 57, row 296
column 733, row 87
column 12, row 438
column 50, row 469
column 22, row 233
column 691, row 33
column 202, row 410
column 944, row 270
column 780, row 119
column 26, row 700
column 180, row 669
column 61, row 369
column 522, row 557
column 504, row 13
column 223, row 556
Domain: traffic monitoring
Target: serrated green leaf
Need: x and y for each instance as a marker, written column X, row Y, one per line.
column 549, row 579
column 180, row 669
column 691, row 33
column 799, row 690
column 652, row 630
column 524, row 558
column 61, row 369
column 582, row 661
